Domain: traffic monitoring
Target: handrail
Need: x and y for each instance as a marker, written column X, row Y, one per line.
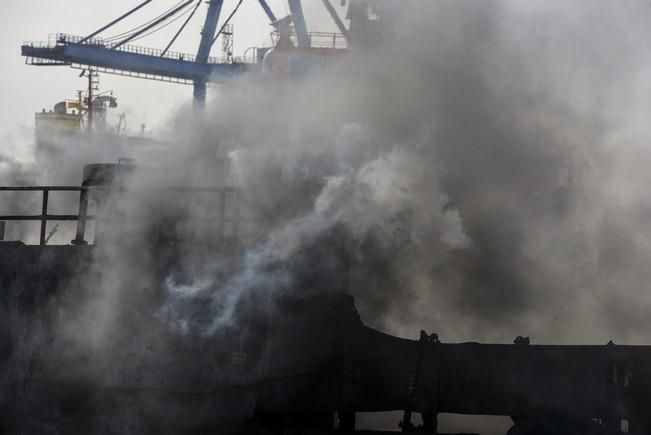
column 44, row 217
column 318, row 39
column 82, row 216
column 41, row 188
column 63, row 39
column 60, row 40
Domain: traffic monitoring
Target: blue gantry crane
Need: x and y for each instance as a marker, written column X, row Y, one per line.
column 115, row 55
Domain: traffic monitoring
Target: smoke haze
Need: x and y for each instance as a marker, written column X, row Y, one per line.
column 480, row 160
column 484, row 160
column 485, row 168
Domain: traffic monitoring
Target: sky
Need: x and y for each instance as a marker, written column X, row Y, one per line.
column 27, row 89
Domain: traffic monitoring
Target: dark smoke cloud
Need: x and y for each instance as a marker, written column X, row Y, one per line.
column 487, row 160
column 479, row 159
column 486, row 164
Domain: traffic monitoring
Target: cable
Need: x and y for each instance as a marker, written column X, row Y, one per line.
column 115, row 21
column 135, row 29
column 221, row 29
column 164, row 24
column 181, row 29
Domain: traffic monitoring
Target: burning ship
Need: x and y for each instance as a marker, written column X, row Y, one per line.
column 87, row 347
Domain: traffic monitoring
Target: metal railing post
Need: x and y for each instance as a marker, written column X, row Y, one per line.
column 81, row 221
column 44, row 216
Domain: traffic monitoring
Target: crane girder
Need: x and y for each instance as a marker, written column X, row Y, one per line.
column 96, row 55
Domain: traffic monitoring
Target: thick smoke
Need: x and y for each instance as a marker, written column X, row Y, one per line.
column 479, row 161
column 484, row 168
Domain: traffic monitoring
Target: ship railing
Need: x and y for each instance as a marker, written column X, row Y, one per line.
column 44, row 217
column 254, row 55
column 317, row 39
column 82, row 217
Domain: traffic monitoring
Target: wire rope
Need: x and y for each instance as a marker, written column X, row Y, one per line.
column 135, row 29
column 161, row 27
column 221, row 29
column 182, row 27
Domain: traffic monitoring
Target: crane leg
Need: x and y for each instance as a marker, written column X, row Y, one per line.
column 199, row 94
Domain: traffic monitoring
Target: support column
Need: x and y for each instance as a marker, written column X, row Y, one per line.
column 199, row 94
column 82, row 215
column 302, row 37
column 207, row 35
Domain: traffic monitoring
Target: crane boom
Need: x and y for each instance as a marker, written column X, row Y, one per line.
column 128, row 60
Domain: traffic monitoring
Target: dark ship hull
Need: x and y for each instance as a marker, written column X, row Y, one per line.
column 291, row 369
column 91, row 345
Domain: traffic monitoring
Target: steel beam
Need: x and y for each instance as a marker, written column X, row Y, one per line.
column 199, row 91
column 302, row 37
column 335, row 17
column 101, row 56
column 207, row 34
column 267, row 10
column 209, row 28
